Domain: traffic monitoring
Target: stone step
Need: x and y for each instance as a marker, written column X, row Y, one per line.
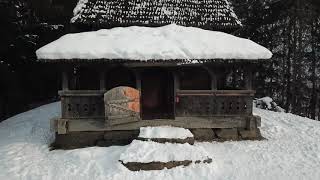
column 166, row 134
column 189, row 140
column 148, row 155
column 137, row 166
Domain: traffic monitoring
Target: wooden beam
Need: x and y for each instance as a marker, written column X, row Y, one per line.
column 85, row 93
column 185, row 122
column 216, row 92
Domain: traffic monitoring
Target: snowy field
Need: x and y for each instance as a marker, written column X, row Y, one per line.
column 291, row 152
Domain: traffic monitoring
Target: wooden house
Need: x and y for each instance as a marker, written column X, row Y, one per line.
column 155, row 63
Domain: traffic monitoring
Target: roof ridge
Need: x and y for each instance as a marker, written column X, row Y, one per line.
column 206, row 14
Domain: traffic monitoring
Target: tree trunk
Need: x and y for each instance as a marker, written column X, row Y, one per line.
column 288, row 66
column 314, row 96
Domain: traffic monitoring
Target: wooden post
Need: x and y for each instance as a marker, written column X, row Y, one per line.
column 176, row 86
column 248, row 78
column 213, row 77
column 176, row 81
column 213, row 80
column 102, row 80
column 137, row 74
column 65, row 81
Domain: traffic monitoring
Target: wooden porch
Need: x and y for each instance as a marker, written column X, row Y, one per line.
column 84, row 110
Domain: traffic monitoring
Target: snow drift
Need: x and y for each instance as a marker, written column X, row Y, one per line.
column 291, row 152
column 153, row 43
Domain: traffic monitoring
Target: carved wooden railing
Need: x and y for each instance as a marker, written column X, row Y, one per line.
column 213, row 102
column 89, row 104
column 82, row 104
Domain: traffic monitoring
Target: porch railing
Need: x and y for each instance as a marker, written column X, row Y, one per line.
column 214, row 102
column 89, row 104
column 82, row 104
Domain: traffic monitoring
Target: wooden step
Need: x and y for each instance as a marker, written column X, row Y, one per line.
column 148, row 155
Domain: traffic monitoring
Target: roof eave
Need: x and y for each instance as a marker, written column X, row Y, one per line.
column 155, row 62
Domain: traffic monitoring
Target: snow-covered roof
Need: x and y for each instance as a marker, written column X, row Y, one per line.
column 207, row 14
column 171, row 42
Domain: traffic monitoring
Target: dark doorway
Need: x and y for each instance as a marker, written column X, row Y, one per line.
column 120, row 76
column 157, row 94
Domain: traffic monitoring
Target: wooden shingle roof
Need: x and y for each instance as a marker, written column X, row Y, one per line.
column 206, row 14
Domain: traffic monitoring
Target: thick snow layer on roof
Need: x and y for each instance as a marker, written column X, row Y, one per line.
column 148, row 151
column 291, row 152
column 165, row 132
column 145, row 43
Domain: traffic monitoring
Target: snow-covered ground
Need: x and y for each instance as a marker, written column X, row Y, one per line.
column 149, row 151
column 292, row 151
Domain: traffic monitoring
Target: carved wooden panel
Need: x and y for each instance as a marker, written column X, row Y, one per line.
column 211, row 105
column 79, row 106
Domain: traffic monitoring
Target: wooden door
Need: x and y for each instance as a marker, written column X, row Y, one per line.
column 122, row 105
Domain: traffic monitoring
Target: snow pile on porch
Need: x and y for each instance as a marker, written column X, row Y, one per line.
column 164, row 132
column 170, row 42
column 291, row 152
column 148, row 151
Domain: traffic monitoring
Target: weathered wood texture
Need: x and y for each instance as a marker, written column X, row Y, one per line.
column 122, row 105
column 81, row 104
column 185, row 122
column 213, row 102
